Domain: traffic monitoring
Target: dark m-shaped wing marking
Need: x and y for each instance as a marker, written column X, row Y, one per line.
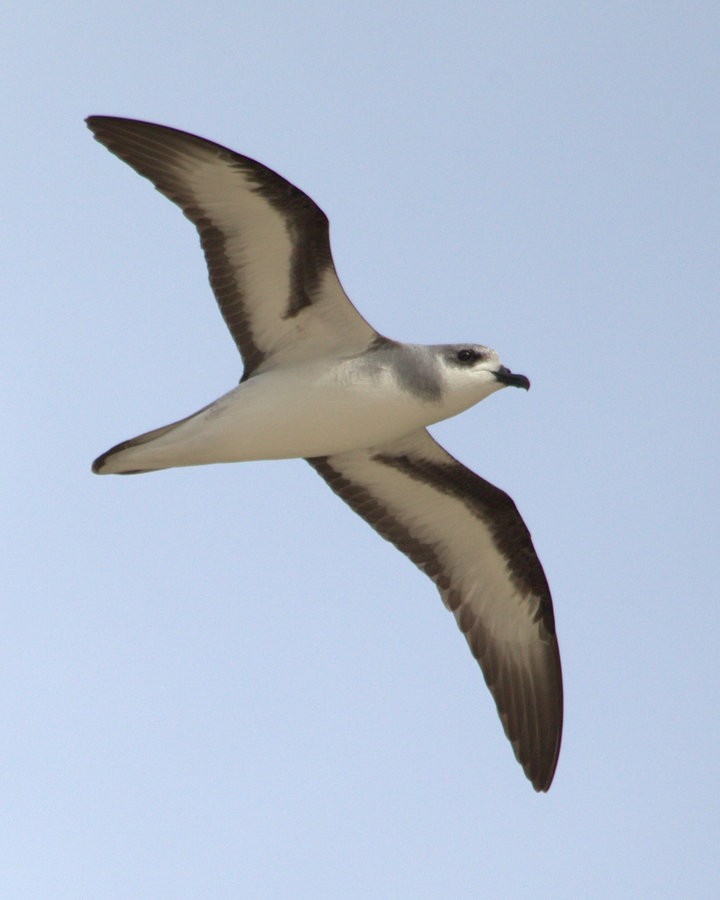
column 266, row 243
column 469, row 538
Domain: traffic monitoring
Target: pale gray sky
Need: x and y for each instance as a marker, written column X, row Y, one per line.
column 220, row 682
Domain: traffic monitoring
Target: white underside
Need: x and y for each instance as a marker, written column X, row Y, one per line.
column 317, row 409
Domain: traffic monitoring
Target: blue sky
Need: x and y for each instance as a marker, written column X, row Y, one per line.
column 220, row 682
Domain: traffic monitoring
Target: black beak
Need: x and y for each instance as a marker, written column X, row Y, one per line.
column 505, row 376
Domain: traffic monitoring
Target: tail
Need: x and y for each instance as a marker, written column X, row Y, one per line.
column 137, row 455
column 182, row 443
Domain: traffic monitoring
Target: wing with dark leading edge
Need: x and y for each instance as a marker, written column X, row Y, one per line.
column 469, row 538
column 266, row 243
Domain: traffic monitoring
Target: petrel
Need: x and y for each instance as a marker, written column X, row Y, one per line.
column 320, row 383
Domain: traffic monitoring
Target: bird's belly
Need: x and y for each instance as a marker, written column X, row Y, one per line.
column 268, row 420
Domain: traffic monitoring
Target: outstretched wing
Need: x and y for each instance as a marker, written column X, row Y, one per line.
column 469, row 538
column 266, row 243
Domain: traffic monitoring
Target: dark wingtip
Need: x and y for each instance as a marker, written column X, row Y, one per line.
column 92, row 122
column 542, row 783
column 540, row 773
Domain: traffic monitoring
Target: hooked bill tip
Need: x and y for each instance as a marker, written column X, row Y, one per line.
column 505, row 376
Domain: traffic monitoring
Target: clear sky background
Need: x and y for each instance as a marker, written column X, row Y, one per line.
column 220, row 682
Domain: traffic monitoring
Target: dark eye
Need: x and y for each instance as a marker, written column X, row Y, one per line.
column 467, row 356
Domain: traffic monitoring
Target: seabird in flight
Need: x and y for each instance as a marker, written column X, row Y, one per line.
column 321, row 384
